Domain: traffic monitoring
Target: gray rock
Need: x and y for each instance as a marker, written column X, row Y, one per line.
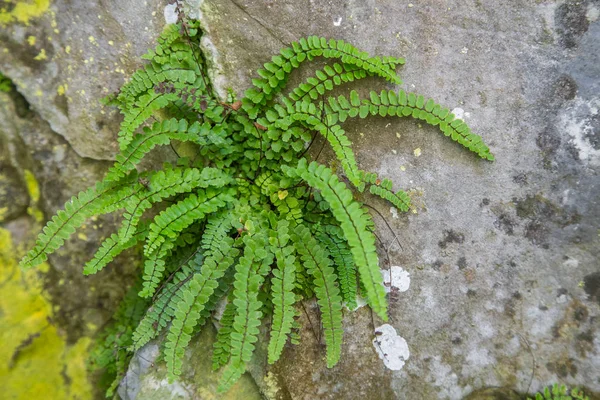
column 503, row 256
column 500, row 254
column 14, row 198
column 147, row 378
column 73, row 55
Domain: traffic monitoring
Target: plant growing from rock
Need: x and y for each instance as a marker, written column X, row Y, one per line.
column 560, row 392
column 248, row 217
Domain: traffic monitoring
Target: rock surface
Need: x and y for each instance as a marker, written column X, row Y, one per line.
column 503, row 257
column 498, row 253
column 147, row 379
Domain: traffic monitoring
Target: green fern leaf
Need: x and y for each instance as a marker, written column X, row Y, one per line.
column 222, row 345
column 317, row 263
column 163, row 184
column 161, row 133
column 250, row 272
column 282, row 285
column 110, row 248
column 333, row 239
column 195, row 294
column 162, row 310
column 101, row 199
column 354, row 222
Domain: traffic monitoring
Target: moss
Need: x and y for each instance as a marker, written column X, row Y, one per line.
column 23, row 11
column 5, row 84
column 35, row 360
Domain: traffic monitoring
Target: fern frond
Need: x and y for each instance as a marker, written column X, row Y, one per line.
column 311, row 116
column 177, row 66
column 405, row 104
column 250, row 272
column 140, row 111
column 110, row 248
column 325, row 80
column 383, row 189
column 195, row 294
column 317, row 263
column 180, row 215
column 154, row 267
column 222, row 344
column 163, row 309
column 164, row 184
column 161, row 133
column 282, row 286
column 102, row 198
column 333, row 239
column 275, row 74
column 354, row 221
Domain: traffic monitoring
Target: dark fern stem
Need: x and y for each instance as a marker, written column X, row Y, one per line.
column 248, row 218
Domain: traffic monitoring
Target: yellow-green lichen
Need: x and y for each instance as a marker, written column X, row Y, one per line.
column 35, row 360
column 3, row 211
column 272, row 387
column 22, row 11
column 33, row 188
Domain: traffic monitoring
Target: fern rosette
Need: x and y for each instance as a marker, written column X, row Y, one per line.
column 249, row 218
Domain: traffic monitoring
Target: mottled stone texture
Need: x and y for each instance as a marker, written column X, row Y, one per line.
column 503, row 256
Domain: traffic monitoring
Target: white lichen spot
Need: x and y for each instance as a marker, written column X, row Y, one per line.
column 464, row 50
column 391, row 347
column 578, row 122
column 410, row 5
column 593, row 13
column 394, row 151
column 562, row 299
column 571, row 263
column 360, row 302
column 417, row 152
column 395, row 277
column 111, row 43
column 394, row 212
column 458, row 112
column 337, row 22
column 170, row 13
column 402, row 168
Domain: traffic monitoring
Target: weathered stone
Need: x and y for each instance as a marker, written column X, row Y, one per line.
column 501, row 255
column 147, row 378
column 70, row 55
column 14, row 198
column 494, row 394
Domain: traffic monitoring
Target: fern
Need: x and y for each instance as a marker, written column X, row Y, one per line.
column 560, row 392
column 247, row 217
column 333, row 239
column 328, row 294
column 222, row 346
column 353, row 222
column 282, row 290
column 250, row 272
